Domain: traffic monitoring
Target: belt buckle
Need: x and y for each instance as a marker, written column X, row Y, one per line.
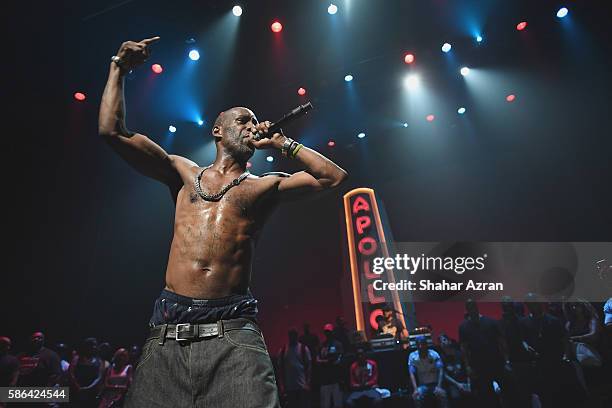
column 177, row 330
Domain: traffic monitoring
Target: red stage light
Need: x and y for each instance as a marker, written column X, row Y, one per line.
column 430, row 118
column 510, row 97
column 409, row 59
column 157, row 68
column 276, row 27
column 331, row 143
column 521, row 26
column 79, row 96
column 301, row 91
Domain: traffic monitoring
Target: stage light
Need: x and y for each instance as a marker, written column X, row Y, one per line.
column 348, row 78
column 405, row 124
column 409, row 58
column 276, row 27
column 194, row 55
column 200, row 122
column 464, row 71
column 461, row 110
column 446, row 47
column 157, row 68
column 331, row 143
column 79, row 96
column 361, row 135
column 562, row 12
column 510, row 97
column 270, row 159
column 332, row 9
column 430, row 118
column 301, row 91
column 237, row 11
column 478, row 38
column 521, row 26
column 411, row 81
column 172, row 129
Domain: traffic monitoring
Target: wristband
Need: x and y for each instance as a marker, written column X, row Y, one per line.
column 296, row 150
column 285, row 149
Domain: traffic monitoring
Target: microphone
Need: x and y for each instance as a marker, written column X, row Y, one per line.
column 275, row 127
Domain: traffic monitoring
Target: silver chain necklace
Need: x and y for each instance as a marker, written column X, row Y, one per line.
column 220, row 194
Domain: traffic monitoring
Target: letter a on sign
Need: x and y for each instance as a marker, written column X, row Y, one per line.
column 360, row 204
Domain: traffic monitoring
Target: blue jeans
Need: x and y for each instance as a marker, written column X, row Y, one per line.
column 428, row 391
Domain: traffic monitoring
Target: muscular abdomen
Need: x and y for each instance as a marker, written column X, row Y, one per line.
column 212, row 247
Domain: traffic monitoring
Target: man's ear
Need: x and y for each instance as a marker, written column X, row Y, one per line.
column 216, row 131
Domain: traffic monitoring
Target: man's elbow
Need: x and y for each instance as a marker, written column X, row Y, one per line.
column 339, row 178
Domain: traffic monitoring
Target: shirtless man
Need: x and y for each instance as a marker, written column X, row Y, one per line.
column 205, row 348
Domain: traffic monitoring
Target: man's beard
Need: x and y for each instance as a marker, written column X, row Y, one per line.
column 237, row 148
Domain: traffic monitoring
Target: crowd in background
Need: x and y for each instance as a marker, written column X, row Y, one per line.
column 536, row 355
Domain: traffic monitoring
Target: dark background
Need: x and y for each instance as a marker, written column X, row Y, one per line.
column 88, row 237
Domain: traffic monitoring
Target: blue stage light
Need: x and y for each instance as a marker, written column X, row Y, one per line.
column 200, row 122
column 194, row 55
column 361, row 135
column 172, row 129
column 237, row 11
column 478, row 38
column 332, row 9
column 405, row 124
column 270, row 159
column 348, row 78
column 461, row 110
column 446, row 47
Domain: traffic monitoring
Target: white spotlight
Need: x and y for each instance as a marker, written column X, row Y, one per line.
column 411, row 81
column 446, row 47
column 172, row 129
column 361, row 135
column 478, row 38
column 405, row 124
column 348, row 78
column 237, row 11
column 332, row 9
column 194, row 55
column 562, row 12
column 270, row 159
column 464, row 71
column 200, row 122
column 461, row 110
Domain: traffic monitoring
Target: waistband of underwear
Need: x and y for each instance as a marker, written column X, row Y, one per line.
column 218, row 302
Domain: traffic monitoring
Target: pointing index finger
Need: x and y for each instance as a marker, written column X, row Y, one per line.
column 151, row 40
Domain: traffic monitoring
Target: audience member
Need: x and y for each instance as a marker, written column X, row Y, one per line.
column 329, row 359
column 38, row 365
column 86, row 373
column 426, row 374
column 455, row 374
column 117, row 380
column 364, row 381
column 9, row 365
column 294, row 372
column 485, row 355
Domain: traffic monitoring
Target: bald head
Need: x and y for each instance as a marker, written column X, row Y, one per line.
column 227, row 117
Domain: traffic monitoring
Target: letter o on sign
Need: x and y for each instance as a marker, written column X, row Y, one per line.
column 367, row 246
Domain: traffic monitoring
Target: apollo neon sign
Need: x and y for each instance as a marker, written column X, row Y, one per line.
column 366, row 241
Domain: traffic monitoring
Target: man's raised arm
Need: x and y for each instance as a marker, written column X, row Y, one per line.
column 138, row 150
column 321, row 173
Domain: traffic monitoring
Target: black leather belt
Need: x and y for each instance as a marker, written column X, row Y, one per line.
column 190, row 332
